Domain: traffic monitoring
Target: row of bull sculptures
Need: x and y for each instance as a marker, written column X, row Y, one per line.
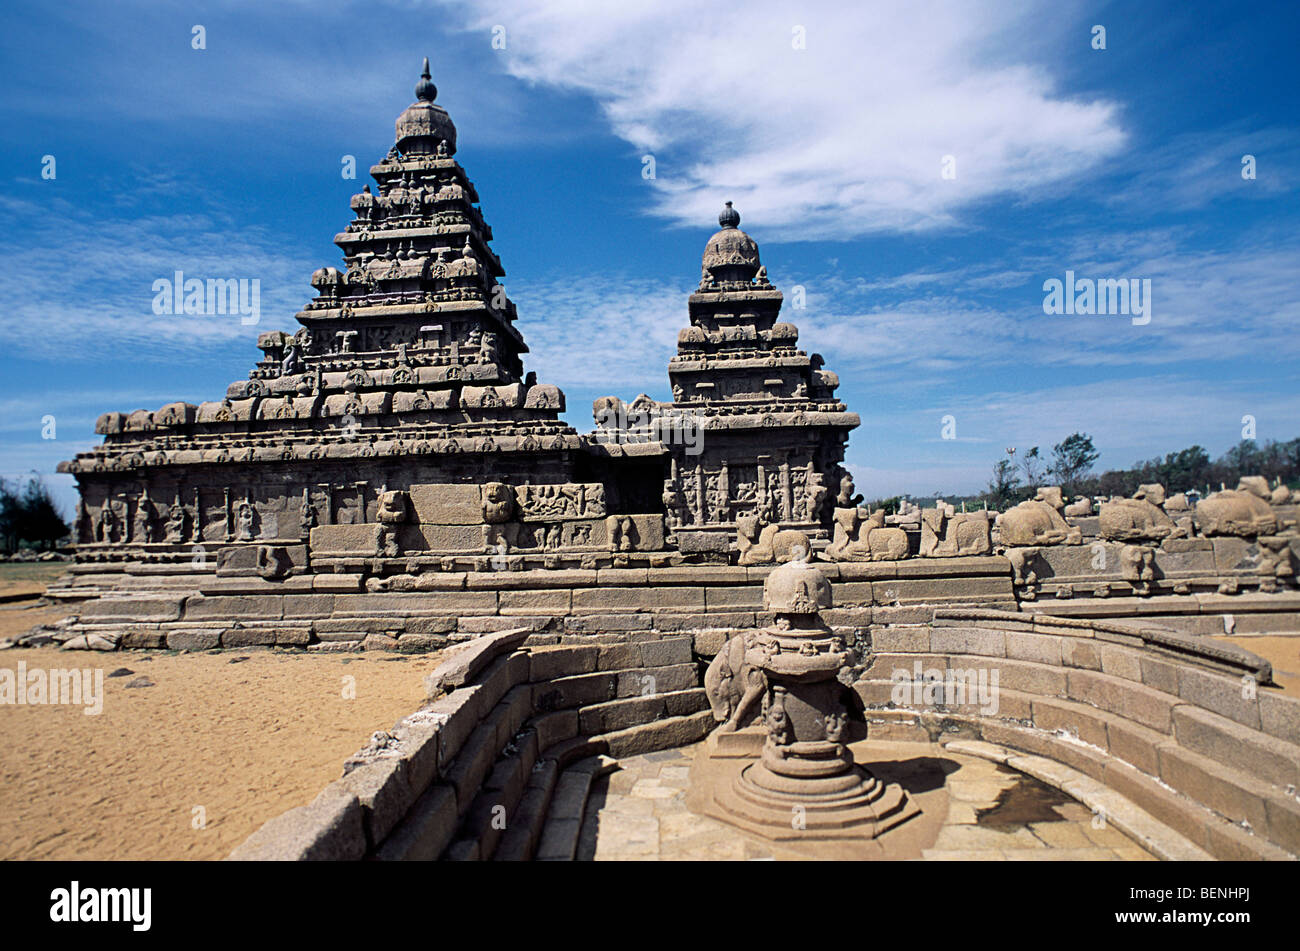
column 1150, row 517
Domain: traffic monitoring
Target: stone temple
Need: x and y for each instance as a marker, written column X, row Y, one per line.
column 390, row 477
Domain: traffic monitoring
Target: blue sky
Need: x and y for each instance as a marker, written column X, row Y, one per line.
column 923, row 292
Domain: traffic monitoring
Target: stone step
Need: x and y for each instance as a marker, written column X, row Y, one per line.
column 559, row 842
column 528, row 821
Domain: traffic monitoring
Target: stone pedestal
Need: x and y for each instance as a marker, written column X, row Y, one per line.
column 804, row 783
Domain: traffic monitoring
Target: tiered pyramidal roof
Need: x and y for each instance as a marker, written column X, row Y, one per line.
column 772, row 433
column 407, row 369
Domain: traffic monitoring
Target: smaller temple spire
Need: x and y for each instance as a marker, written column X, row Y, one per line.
column 730, row 217
column 425, row 90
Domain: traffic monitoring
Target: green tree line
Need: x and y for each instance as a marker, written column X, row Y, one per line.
column 1015, row 479
column 29, row 517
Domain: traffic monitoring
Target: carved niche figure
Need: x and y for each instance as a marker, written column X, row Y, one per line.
column 144, row 521
column 764, row 544
column 177, row 519
column 245, row 520
column 1037, row 521
column 859, row 537
column 498, row 503
column 1244, row 512
column 1139, row 518
column 814, row 495
column 106, row 524
column 393, row 510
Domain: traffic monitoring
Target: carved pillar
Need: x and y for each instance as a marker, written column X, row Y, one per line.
column 786, row 499
column 701, row 509
column 724, row 492
column 230, row 514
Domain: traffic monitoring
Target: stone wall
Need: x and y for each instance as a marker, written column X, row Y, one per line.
column 498, row 766
column 189, row 608
column 1187, row 729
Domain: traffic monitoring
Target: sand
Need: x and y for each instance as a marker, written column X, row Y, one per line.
column 1281, row 650
column 188, row 768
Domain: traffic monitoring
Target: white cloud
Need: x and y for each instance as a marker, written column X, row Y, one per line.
column 840, row 139
column 89, row 278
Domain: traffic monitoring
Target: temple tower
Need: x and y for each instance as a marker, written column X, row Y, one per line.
column 407, row 369
column 772, row 433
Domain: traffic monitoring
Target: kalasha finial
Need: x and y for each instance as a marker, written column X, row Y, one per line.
column 730, row 217
column 425, row 90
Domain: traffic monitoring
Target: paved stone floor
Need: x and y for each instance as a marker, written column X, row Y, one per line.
column 639, row 812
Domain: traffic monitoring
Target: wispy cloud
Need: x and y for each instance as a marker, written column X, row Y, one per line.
column 840, row 138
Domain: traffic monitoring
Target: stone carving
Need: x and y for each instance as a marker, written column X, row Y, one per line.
column 1024, row 573
column 1244, row 512
column 393, row 513
column 859, row 537
column 763, row 544
column 177, row 523
column 1079, row 508
column 1139, row 518
column 144, row 521
column 797, row 672
column 1138, row 567
column 622, row 533
column 273, row 562
column 498, row 503
column 945, row 532
column 106, row 524
column 732, row 685
column 1037, row 521
column 815, row 493
column 245, row 521
column 1276, row 561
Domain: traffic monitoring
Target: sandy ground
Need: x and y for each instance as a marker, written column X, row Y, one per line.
column 1281, row 650
column 188, row 768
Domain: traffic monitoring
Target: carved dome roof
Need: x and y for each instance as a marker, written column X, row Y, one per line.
column 424, row 123
column 796, row 588
column 731, row 255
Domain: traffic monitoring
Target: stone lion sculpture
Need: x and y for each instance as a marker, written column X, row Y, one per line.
column 393, row 512
column 498, row 503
